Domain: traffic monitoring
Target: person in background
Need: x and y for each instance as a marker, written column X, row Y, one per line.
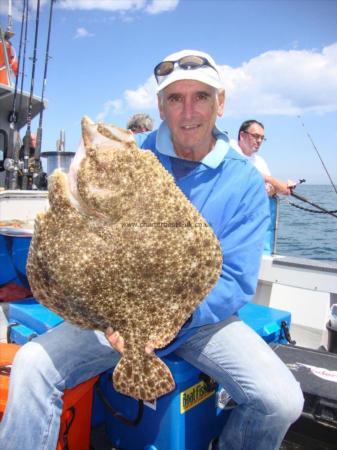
column 139, row 123
column 230, row 194
column 37, row 178
column 32, row 145
column 250, row 137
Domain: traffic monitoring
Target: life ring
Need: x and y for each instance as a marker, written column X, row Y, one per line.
column 13, row 63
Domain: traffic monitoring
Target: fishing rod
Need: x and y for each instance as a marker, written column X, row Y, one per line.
column 321, row 209
column 10, row 17
column 30, row 105
column 14, row 136
column 24, row 53
column 39, row 130
column 305, row 200
column 313, row 144
column 12, row 116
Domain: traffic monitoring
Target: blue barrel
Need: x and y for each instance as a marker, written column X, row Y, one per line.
column 7, row 270
column 20, row 248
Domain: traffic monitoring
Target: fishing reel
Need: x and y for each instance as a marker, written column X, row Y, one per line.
column 9, row 165
column 294, row 187
column 13, row 117
column 37, row 179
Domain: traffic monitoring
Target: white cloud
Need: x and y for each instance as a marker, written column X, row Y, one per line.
column 110, row 107
column 144, row 97
column 104, row 5
column 149, row 6
column 17, row 7
column 121, row 6
column 277, row 82
column 158, row 6
column 82, row 33
column 283, row 82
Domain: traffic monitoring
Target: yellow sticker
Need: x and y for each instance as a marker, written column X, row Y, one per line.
column 194, row 395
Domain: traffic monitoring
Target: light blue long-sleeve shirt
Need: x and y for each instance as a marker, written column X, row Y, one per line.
column 230, row 194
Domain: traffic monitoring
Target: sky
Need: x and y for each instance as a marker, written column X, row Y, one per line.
column 278, row 60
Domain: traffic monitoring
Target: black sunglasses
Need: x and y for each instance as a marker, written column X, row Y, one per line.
column 186, row 62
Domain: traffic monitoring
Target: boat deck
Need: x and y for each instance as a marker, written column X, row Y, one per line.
column 293, row 441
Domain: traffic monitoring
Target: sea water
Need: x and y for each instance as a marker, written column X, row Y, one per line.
column 305, row 234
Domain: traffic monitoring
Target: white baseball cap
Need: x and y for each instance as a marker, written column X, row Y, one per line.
column 188, row 65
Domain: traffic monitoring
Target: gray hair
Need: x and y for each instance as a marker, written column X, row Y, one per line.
column 140, row 122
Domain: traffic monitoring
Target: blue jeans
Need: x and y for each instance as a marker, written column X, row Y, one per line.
column 269, row 398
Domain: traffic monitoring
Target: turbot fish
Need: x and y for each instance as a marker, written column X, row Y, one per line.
column 122, row 246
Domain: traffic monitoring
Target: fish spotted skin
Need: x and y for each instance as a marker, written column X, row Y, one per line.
column 122, row 246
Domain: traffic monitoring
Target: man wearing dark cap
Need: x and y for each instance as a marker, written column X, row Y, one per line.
column 230, row 194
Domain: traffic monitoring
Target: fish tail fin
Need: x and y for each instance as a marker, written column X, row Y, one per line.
column 145, row 377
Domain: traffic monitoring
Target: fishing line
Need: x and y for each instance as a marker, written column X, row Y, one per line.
column 313, row 144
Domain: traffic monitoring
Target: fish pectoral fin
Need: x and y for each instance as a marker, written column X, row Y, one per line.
column 145, row 378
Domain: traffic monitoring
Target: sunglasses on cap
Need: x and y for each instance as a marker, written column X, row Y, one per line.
column 186, row 62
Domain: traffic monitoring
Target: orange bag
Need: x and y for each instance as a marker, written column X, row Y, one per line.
column 7, row 353
column 77, row 405
column 76, row 417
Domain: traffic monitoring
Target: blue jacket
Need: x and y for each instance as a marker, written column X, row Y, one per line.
column 230, row 194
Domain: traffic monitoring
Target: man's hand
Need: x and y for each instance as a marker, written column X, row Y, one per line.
column 117, row 341
column 279, row 187
column 292, row 184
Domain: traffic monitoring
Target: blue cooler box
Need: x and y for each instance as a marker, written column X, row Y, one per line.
column 190, row 417
column 28, row 319
column 270, row 323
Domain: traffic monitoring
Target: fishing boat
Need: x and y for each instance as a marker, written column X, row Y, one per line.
column 305, row 288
